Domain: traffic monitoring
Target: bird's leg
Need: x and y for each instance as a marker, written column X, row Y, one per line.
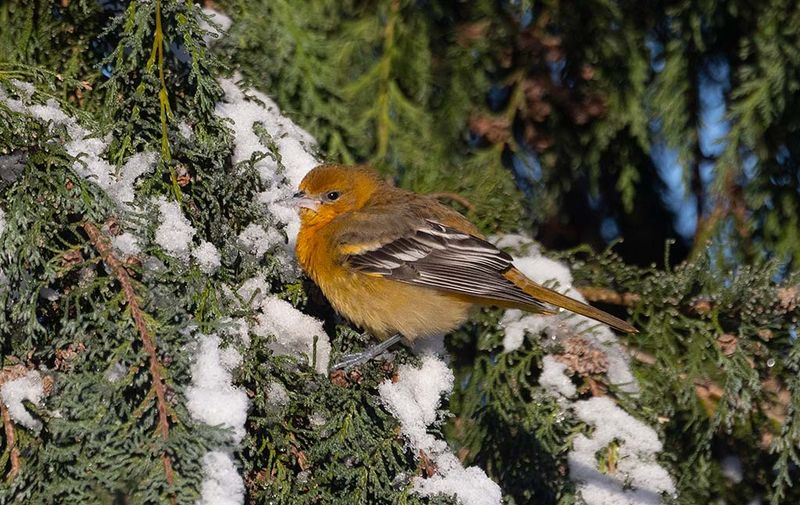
column 360, row 358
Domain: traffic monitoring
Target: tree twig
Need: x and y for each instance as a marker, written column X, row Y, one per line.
column 605, row 295
column 698, row 306
column 7, row 374
column 103, row 246
column 11, row 441
column 455, row 197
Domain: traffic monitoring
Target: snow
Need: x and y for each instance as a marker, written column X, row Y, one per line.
column 237, row 328
column 516, row 324
column 554, row 379
column 257, row 241
column 185, row 130
column 277, row 394
column 639, row 479
column 212, row 398
column 207, row 257
column 126, row 243
column 564, row 324
column 414, row 401
column 25, row 89
column 122, row 188
column 222, row 484
column 174, row 234
column 294, row 145
column 294, row 332
column 87, row 149
column 26, row 388
column 254, row 290
column 544, row 270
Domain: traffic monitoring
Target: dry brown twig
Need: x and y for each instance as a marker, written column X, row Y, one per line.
column 7, row 374
column 103, row 246
column 455, row 197
column 11, row 441
column 605, row 295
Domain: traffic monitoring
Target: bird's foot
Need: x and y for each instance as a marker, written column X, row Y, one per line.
column 350, row 360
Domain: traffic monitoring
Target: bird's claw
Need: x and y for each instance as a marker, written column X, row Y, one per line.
column 350, row 360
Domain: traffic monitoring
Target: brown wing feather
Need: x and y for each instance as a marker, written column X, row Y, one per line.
column 440, row 257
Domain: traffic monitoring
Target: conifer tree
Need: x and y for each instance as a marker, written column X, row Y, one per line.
column 159, row 343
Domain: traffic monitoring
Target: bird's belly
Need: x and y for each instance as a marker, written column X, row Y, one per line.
column 385, row 307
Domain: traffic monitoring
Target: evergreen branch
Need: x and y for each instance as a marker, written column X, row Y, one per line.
column 383, row 116
column 103, row 246
column 163, row 98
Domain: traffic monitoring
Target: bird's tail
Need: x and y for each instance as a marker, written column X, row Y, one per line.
column 543, row 294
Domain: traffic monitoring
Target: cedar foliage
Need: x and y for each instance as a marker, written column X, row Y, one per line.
column 544, row 115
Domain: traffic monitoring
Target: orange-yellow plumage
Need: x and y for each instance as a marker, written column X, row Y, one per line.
column 392, row 261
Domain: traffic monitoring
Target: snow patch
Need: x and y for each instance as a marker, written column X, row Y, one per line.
column 212, row 398
column 295, row 146
column 294, row 332
column 214, row 32
column 277, row 394
column 554, row 379
column 207, row 257
column 254, row 290
column 175, row 233
column 26, row 388
column 257, row 241
column 86, row 148
column 222, row 484
column 517, row 323
column 414, row 401
column 639, row 479
column 126, row 243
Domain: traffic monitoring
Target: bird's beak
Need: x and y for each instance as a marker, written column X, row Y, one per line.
column 300, row 201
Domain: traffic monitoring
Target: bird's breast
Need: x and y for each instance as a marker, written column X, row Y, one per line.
column 381, row 306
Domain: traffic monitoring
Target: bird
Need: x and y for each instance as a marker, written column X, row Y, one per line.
column 404, row 266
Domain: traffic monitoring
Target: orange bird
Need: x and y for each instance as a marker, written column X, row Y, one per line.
column 402, row 265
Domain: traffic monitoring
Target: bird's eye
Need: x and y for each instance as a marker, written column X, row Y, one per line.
column 332, row 195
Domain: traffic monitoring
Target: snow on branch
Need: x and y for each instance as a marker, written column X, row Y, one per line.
column 295, row 333
column 414, row 400
column 175, row 233
column 638, row 478
column 212, row 398
column 87, row 149
column 30, row 388
column 252, row 114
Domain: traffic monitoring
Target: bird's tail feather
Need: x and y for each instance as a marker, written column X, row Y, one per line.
column 543, row 294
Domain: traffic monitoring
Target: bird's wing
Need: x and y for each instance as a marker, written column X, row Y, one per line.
column 433, row 255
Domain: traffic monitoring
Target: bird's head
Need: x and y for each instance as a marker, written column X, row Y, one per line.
column 330, row 190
